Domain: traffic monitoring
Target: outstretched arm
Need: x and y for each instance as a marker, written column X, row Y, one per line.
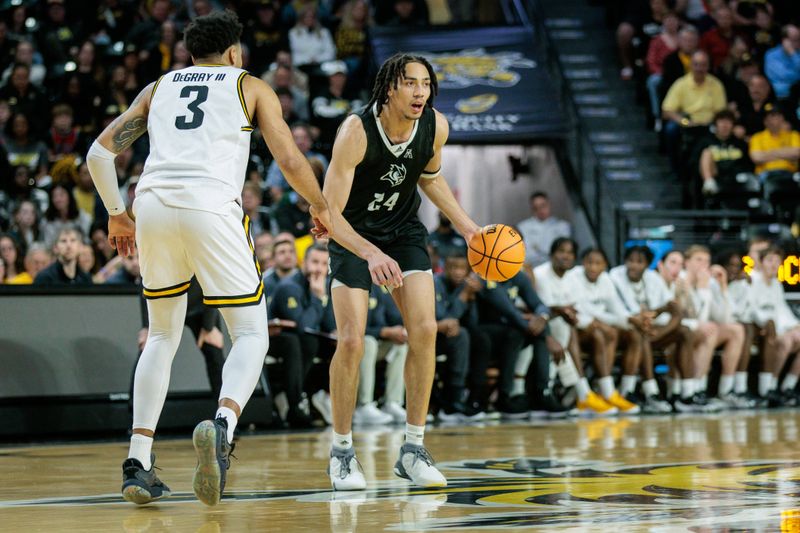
column 118, row 136
column 348, row 151
column 436, row 188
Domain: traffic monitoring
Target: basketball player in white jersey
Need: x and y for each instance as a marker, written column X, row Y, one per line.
column 189, row 222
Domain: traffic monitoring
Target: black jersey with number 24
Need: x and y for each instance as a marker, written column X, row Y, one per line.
column 384, row 200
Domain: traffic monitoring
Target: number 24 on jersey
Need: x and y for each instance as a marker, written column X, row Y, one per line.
column 377, row 204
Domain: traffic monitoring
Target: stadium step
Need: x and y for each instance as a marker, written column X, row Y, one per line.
column 634, row 174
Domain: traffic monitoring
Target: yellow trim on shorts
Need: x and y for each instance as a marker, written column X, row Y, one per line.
column 242, row 101
column 153, row 93
column 166, row 292
column 234, row 301
column 247, row 224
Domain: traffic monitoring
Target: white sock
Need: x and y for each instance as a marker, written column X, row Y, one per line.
column 627, row 385
column 140, row 449
column 342, row 441
column 675, row 389
column 230, row 416
column 606, row 386
column 725, row 385
column 518, row 386
column 414, row 434
column 524, row 359
column 582, row 388
column 702, row 383
column 688, row 388
column 650, row 387
column 764, row 383
column 740, row 383
column 789, row 382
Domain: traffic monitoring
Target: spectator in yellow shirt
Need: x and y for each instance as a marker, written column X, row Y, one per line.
column 694, row 99
column 777, row 147
column 36, row 260
column 689, row 107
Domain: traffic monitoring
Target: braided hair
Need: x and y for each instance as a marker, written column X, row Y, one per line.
column 391, row 71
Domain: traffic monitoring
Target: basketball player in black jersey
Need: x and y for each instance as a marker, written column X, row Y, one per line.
column 380, row 156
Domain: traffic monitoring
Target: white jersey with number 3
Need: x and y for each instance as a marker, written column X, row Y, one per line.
column 199, row 131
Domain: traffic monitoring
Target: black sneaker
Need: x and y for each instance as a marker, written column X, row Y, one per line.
column 698, row 403
column 473, row 412
column 547, row 406
column 141, row 486
column 513, row 407
column 784, row 398
column 210, row 440
column 775, row 399
column 298, row 419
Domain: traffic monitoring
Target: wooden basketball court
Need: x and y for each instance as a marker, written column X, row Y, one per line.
column 737, row 470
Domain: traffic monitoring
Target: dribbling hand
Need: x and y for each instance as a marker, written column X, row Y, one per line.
column 122, row 234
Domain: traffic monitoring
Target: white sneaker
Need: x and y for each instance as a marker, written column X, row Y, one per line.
column 321, row 401
column 416, row 465
column 345, row 471
column 652, row 405
column 737, row 401
column 396, row 411
column 370, row 415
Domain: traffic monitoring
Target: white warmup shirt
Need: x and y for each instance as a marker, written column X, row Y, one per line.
column 598, row 300
column 649, row 293
column 769, row 303
column 554, row 291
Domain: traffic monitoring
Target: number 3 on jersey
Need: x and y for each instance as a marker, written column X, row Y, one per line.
column 375, row 205
column 184, row 122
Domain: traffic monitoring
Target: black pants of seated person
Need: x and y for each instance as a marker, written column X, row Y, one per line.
column 538, row 378
column 295, row 352
column 488, row 343
column 455, row 370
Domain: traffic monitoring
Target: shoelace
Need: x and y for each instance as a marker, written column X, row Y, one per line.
column 230, row 454
column 344, row 464
column 422, row 453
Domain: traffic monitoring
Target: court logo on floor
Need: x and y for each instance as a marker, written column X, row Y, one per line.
column 534, row 492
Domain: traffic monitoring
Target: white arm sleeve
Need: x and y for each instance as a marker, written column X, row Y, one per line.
column 100, row 161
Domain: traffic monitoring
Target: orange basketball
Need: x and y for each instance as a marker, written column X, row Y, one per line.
column 496, row 253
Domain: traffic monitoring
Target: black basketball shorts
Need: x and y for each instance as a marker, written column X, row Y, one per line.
column 410, row 252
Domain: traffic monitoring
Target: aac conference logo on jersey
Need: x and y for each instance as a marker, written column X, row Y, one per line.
column 396, row 174
column 466, row 68
column 528, row 492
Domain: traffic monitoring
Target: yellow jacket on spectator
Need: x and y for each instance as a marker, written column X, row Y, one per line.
column 699, row 102
column 764, row 141
column 22, row 278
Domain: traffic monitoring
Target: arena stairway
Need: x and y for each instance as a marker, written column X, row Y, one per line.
column 632, row 172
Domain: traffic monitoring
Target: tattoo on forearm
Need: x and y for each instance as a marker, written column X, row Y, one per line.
column 125, row 133
column 127, row 129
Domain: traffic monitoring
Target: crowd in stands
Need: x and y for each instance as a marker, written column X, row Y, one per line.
column 722, row 80
column 68, row 67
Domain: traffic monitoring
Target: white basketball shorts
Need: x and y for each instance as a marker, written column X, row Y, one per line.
column 176, row 244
